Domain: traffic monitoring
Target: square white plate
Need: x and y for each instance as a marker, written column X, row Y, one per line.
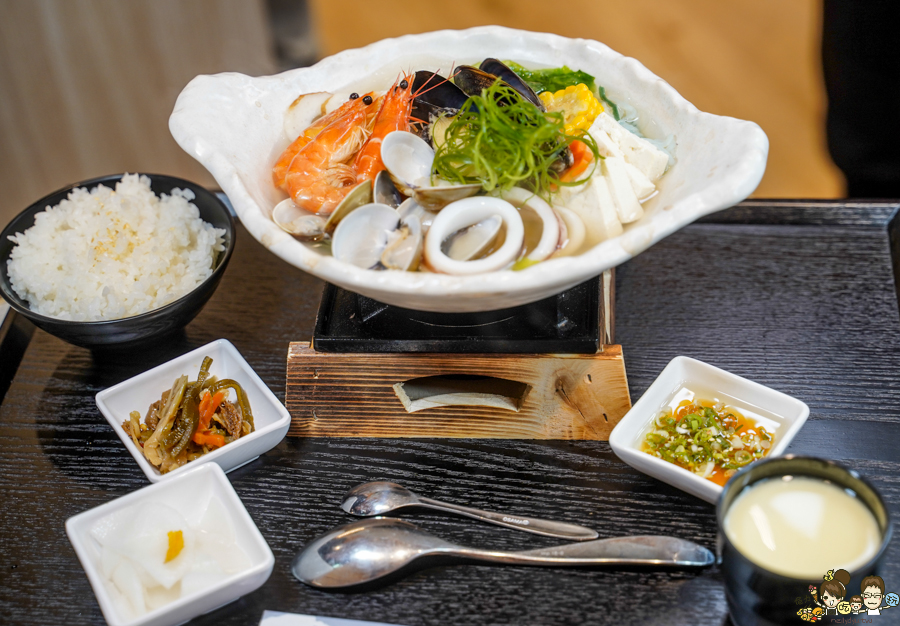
column 787, row 414
column 270, row 417
column 185, row 494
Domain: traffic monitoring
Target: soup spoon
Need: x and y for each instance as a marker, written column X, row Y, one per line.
column 382, row 497
column 367, row 550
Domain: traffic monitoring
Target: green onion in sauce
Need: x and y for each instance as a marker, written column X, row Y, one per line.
column 707, row 438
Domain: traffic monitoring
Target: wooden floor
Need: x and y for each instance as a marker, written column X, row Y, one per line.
column 751, row 59
column 88, row 85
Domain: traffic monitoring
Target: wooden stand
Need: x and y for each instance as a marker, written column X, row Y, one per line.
column 502, row 396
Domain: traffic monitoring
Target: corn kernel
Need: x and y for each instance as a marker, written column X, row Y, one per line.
column 578, row 105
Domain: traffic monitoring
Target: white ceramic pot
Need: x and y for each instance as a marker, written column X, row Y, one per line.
column 234, row 125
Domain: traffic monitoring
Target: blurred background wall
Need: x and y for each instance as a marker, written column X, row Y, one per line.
column 87, row 86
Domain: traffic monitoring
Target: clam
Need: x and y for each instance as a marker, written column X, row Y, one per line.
column 298, row 222
column 471, row 242
column 384, row 191
column 360, row 195
column 404, row 250
column 362, row 236
column 374, row 236
column 464, row 214
column 412, row 208
column 303, row 111
column 409, row 160
column 547, row 244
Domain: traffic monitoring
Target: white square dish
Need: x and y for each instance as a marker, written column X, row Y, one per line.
column 787, row 413
column 270, row 418
column 180, row 493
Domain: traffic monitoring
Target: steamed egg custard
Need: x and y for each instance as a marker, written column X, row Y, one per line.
column 802, row 527
column 150, row 554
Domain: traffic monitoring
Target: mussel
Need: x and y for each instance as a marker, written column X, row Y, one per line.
column 504, row 73
column 436, row 97
column 472, row 80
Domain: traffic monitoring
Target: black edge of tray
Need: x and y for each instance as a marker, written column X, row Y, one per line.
column 15, row 334
column 866, row 213
column 893, row 229
column 568, row 323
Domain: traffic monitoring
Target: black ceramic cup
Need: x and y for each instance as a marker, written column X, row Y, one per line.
column 758, row 597
column 138, row 328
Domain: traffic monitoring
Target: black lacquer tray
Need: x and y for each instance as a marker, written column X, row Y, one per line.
column 796, row 295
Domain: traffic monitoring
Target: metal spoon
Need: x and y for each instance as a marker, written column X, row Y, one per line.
column 381, row 497
column 367, row 550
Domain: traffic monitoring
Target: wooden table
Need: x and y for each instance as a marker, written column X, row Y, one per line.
column 799, row 296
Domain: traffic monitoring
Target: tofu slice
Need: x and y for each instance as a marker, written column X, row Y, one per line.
column 605, row 145
column 639, row 183
column 628, row 207
column 642, row 154
column 594, row 205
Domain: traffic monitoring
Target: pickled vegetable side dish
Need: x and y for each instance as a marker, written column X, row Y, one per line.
column 190, row 420
column 707, row 437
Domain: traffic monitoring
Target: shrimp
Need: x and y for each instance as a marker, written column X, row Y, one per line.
column 319, row 176
column 281, row 166
column 394, row 114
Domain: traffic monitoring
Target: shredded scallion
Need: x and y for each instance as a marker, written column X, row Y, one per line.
column 501, row 141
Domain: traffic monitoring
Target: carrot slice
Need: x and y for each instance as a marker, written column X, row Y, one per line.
column 583, row 158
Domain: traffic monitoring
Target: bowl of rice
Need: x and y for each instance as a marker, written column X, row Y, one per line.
column 117, row 259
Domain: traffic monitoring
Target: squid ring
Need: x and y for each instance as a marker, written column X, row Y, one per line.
column 462, row 213
column 549, row 241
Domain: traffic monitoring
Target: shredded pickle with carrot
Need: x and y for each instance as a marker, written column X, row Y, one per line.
column 191, row 419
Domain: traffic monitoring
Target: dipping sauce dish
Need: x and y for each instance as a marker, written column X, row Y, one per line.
column 686, row 378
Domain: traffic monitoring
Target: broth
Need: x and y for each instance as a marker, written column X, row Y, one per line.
column 802, row 527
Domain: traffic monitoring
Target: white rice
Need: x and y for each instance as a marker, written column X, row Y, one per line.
column 105, row 254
